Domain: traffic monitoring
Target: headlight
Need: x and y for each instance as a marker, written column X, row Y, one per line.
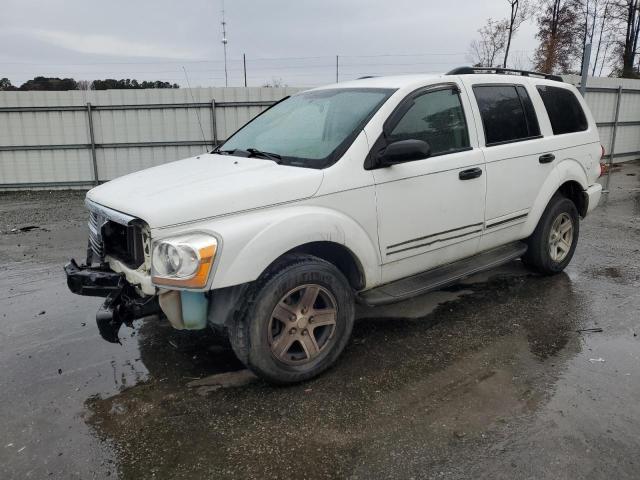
column 183, row 261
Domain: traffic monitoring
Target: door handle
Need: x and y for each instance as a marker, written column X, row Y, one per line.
column 469, row 174
column 546, row 158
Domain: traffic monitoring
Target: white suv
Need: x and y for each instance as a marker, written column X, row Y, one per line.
column 373, row 190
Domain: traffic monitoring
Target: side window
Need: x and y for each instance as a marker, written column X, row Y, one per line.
column 564, row 110
column 507, row 113
column 438, row 119
column 529, row 112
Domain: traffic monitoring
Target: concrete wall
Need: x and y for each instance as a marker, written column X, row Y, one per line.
column 46, row 137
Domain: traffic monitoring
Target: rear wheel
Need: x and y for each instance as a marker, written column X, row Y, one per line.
column 553, row 242
column 296, row 321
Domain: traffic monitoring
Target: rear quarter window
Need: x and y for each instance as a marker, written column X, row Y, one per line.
column 564, row 110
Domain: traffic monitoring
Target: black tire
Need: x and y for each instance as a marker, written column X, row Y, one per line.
column 538, row 256
column 252, row 327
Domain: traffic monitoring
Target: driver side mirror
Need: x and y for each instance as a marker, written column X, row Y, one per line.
column 404, row 151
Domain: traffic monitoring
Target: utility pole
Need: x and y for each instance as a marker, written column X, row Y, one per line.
column 244, row 67
column 586, row 59
column 337, row 69
column 224, row 44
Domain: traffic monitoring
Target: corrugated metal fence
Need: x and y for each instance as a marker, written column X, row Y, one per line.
column 615, row 104
column 76, row 138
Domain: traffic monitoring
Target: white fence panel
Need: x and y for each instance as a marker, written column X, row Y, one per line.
column 602, row 98
column 46, row 140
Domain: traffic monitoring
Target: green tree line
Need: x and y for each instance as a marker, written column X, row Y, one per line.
column 53, row 84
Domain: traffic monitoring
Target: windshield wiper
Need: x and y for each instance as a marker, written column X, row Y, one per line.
column 250, row 152
column 259, row 153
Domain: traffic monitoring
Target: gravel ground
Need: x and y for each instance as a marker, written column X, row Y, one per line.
column 495, row 378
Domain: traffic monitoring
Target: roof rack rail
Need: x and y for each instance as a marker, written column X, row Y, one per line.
column 500, row 70
column 366, row 76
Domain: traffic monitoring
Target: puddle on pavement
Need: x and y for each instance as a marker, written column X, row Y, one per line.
column 433, row 380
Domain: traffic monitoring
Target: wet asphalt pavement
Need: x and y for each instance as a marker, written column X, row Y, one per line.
column 490, row 379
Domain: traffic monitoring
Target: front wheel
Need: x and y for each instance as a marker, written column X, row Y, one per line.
column 296, row 321
column 553, row 242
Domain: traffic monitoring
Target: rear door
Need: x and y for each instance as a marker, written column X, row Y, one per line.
column 574, row 134
column 516, row 161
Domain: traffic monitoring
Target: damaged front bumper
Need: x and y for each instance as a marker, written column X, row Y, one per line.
column 124, row 302
column 92, row 282
column 122, row 305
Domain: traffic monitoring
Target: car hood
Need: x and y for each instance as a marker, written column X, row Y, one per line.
column 205, row 186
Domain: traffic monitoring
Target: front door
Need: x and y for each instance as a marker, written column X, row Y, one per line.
column 431, row 210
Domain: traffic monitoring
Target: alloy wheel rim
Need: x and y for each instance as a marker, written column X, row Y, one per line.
column 560, row 237
column 303, row 324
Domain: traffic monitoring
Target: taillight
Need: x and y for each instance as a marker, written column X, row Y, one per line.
column 603, row 166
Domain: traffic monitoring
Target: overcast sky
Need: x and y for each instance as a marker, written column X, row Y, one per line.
column 295, row 41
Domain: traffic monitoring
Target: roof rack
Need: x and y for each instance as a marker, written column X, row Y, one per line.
column 506, row 71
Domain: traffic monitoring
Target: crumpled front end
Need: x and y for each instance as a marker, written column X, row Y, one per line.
column 118, row 268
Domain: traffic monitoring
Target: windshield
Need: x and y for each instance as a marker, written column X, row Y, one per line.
column 311, row 129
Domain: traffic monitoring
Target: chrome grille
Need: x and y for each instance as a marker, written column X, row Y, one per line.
column 114, row 234
column 96, row 221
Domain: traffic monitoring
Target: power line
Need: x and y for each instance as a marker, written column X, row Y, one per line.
column 260, row 68
column 230, row 59
column 239, row 59
column 293, row 70
column 177, row 62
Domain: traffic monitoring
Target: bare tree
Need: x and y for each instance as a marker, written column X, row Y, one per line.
column 520, row 10
column 584, row 11
column 605, row 56
column 591, row 14
column 603, row 22
column 84, row 84
column 493, row 38
column 628, row 14
column 519, row 60
column 559, row 33
column 625, row 29
column 275, row 83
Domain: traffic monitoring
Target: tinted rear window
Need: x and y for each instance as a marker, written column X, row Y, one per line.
column 507, row 113
column 564, row 110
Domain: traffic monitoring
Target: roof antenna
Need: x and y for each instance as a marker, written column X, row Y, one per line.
column 193, row 100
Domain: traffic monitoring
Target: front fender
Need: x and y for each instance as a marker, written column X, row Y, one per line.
column 253, row 242
column 565, row 171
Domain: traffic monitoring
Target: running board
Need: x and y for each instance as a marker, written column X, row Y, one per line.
column 442, row 276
